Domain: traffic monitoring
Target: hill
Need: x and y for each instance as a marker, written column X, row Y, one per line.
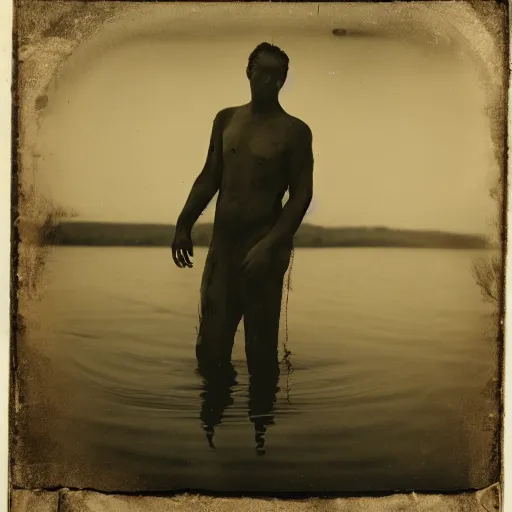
column 161, row 235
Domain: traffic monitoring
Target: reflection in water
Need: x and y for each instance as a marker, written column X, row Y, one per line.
column 263, row 388
column 218, row 383
column 216, row 395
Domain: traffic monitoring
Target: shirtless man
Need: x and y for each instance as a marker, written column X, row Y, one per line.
column 256, row 153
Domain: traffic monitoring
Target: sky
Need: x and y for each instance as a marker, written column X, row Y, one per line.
column 400, row 136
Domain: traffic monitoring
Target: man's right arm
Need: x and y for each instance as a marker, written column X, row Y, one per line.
column 207, row 183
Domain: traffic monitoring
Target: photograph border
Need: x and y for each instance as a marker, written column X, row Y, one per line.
column 28, row 499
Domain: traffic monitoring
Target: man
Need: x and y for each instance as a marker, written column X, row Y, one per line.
column 257, row 152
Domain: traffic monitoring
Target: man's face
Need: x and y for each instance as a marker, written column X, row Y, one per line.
column 267, row 75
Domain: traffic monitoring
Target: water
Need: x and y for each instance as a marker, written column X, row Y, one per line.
column 385, row 387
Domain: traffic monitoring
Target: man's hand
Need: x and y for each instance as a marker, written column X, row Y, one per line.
column 182, row 249
column 257, row 259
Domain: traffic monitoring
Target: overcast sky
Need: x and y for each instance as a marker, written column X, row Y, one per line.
column 400, row 134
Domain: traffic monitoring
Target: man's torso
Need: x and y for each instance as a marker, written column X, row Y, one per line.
column 255, row 170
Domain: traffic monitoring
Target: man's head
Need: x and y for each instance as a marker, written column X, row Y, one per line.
column 267, row 69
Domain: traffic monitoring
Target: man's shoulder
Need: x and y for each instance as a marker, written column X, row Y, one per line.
column 225, row 114
column 299, row 128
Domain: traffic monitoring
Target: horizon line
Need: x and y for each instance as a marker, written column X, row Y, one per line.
column 321, row 226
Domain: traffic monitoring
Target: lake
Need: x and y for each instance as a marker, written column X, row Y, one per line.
column 386, row 386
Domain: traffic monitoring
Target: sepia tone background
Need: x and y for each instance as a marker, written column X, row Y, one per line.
column 133, row 170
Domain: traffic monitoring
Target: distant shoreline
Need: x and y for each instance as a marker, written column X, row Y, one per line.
column 110, row 234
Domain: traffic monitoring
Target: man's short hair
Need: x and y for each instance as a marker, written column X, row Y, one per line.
column 271, row 49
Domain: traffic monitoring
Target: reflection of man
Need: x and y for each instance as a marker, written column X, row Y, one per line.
column 216, row 396
column 257, row 152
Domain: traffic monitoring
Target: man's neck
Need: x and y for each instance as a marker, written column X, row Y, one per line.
column 265, row 106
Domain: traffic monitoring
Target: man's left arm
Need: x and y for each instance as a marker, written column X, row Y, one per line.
column 301, row 164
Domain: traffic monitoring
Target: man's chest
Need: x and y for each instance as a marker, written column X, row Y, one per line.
column 261, row 141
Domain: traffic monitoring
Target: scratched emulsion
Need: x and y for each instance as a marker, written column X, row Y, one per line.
column 48, row 33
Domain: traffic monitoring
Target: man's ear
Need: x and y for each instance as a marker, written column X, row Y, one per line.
column 248, row 72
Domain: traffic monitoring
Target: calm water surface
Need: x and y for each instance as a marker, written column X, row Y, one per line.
column 384, row 388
